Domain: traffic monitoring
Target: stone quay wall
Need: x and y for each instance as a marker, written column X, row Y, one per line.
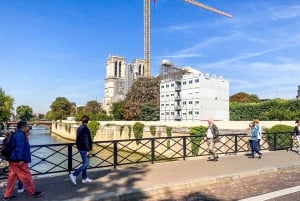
column 110, row 130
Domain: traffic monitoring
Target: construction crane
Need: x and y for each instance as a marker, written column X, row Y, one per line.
column 147, row 28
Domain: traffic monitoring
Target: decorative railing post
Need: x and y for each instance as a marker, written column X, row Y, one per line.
column 70, row 157
column 115, row 153
column 235, row 144
column 275, row 141
column 184, row 147
column 152, row 150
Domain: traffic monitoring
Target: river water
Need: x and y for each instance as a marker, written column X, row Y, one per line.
column 40, row 135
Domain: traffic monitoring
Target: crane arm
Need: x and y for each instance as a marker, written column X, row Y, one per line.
column 201, row 5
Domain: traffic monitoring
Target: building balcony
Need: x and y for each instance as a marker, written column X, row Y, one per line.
column 177, row 98
column 177, row 107
column 178, row 88
column 177, row 117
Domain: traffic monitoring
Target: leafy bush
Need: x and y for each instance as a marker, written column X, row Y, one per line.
column 129, row 131
column 275, row 110
column 282, row 139
column 169, row 134
column 153, row 130
column 122, row 129
column 138, row 129
column 197, row 134
column 93, row 127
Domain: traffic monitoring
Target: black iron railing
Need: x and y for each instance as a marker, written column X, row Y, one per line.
column 57, row 158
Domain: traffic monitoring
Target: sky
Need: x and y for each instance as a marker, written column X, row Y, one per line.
column 59, row 48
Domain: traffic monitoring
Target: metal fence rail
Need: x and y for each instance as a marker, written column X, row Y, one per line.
column 57, row 158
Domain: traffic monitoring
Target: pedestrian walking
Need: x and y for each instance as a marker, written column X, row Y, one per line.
column 259, row 135
column 84, row 146
column 18, row 164
column 212, row 134
column 297, row 133
column 254, row 141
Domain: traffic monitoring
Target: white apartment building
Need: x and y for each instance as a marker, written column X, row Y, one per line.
column 193, row 96
column 119, row 78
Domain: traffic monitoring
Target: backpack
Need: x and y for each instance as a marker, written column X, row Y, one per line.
column 7, row 147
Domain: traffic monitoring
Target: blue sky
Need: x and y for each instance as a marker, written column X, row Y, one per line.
column 58, row 48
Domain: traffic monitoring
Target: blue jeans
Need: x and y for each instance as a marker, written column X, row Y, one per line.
column 84, row 166
column 254, row 148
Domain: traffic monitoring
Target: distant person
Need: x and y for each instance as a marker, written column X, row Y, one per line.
column 297, row 133
column 84, row 146
column 212, row 134
column 259, row 135
column 18, row 164
column 254, row 141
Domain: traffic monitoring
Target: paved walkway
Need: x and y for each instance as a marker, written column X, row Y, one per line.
column 132, row 183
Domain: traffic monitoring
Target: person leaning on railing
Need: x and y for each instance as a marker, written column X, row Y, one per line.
column 297, row 133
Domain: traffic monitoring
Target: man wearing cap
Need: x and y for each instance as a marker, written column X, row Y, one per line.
column 297, row 133
column 18, row 164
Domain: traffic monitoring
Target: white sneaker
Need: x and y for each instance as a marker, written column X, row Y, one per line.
column 73, row 178
column 87, row 180
column 20, row 190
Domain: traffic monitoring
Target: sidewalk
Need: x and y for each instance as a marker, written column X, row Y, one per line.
column 128, row 183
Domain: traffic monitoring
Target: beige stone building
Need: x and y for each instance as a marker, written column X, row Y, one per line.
column 119, row 78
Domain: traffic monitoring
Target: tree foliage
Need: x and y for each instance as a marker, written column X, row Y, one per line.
column 148, row 112
column 60, row 108
column 116, row 111
column 243, row 97
column 6, row 106
column 24, row 112
column 143, row 90
column 275, row 110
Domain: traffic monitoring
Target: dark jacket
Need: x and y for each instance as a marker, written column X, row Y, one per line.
column 21, row 147
column 83, row 138
column 296, row 130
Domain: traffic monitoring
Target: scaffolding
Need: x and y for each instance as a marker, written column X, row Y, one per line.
column 168, row 71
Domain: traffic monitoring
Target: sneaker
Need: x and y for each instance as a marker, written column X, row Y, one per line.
column 21, row 190
column 36, row 194
column 10, row 198
column 73, row 178
column 260, row 155
column 87, row 180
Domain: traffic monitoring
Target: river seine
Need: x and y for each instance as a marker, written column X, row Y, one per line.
column 40, row 135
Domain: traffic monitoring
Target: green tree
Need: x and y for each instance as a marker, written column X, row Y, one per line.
column 116, row 111
column 143, row 90
column 149, row 112
column 24, row 112
column 60, row 108
column 93, row 127
column 6, row 106
column 243, row 97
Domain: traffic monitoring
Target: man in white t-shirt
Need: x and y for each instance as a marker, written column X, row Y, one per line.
column 212, row 134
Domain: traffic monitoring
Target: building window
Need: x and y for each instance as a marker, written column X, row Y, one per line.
column 190, row 81
column 190, row 102
column 190, row 112
column 197, row 102
column 184, row 82
column 116, row 68
column 162, row 104
column 197, row 112
column 196, row 80
column 162, row 86
column 184, row 102
column 172, row 85
column 167, row 86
